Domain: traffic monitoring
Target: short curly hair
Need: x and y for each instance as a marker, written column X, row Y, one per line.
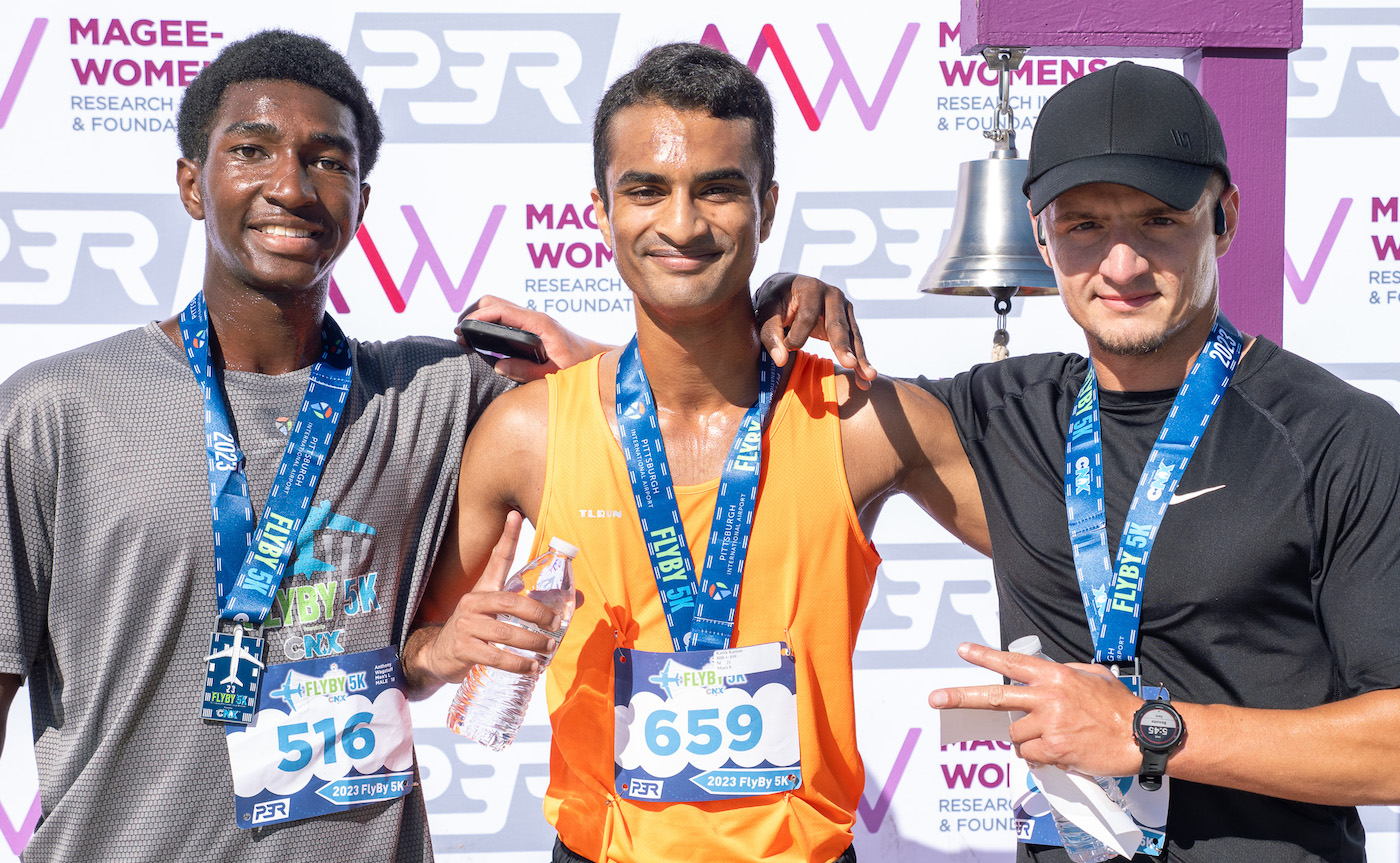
column 277, row 55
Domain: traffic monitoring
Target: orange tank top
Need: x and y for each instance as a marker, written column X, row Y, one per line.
column 807, row 580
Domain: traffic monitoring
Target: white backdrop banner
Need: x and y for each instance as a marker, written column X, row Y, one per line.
column 482, row 187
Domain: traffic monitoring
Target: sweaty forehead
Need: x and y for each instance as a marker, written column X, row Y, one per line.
column 660, row 139
column 282, row 101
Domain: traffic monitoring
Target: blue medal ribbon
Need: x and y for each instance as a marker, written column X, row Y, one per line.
column 249, row 564
column 700, row 614
column 1112, row 590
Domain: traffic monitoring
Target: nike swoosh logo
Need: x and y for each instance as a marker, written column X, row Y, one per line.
column 1182, row 498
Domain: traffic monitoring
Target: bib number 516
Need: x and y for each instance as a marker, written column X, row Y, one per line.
column 701, row 731
column 356, row 738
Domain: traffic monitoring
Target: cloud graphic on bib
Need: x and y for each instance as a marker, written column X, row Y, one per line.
column 256, row 752
column 649, row 718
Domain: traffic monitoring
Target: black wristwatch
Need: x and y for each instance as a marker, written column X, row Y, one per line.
column 1158, row 729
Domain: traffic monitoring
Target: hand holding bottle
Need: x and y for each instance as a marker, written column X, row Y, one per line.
column 490, row 704
column 474, row 634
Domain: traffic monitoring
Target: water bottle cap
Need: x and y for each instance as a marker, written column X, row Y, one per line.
column 563, row 547
column 1027, row 644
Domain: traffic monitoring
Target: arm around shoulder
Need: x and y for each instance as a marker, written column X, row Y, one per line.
column 938, row 474
column 899, row 438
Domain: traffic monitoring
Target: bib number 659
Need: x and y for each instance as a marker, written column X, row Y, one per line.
column 701, row 731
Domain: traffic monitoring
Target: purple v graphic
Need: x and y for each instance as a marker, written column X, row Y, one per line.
column 26, row 56
column 874, row 816
column 18, row 836
column 1303, row 285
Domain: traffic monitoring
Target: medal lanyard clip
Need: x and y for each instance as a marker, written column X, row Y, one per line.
column 1137, row 668
column 1133, row 682
column 255, row 630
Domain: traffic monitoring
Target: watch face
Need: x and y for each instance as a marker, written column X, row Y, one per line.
column 1158, row 727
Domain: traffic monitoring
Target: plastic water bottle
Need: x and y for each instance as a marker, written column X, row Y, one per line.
column 1080, row 846
column 490, row 704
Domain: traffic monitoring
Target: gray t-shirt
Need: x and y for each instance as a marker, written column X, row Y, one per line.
column 107, row 585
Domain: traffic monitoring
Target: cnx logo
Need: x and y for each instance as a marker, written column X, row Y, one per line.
column 877, row 246
column 1157, row 484
column 500, row 78
column 1345, row 80
column 841, row 75
column 84, row 258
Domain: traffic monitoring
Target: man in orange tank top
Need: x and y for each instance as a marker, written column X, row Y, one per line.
column 721, row 504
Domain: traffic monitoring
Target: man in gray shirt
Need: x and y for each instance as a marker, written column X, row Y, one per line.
column 107, row 565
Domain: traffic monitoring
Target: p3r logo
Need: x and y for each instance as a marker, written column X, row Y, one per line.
column 89, row 258
column 876, row 245
column 271, row 810
column 452, row 78
column 1345, row 80
column 496, row 799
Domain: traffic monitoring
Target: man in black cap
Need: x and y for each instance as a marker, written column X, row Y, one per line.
column 1274, row 558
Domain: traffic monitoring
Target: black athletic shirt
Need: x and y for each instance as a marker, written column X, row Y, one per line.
column 1274, row 582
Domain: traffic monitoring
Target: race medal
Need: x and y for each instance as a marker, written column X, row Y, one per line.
column 330, row 734
column 705, row 724
column 1111, row 585
column 249, row 562
column 231, row 679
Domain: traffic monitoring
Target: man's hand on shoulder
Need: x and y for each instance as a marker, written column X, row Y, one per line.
column 792, row 308
column 563, row 347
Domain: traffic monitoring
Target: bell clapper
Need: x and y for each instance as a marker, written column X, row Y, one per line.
column 1001, row 338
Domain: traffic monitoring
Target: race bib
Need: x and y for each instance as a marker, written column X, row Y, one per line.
column 329, row 734
column 705, row 724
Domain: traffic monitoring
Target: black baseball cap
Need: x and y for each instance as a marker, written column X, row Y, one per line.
column 1140, row 126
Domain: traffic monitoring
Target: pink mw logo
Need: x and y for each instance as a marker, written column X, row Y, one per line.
column 425, row 256
column 21, row 68
column 840, row 75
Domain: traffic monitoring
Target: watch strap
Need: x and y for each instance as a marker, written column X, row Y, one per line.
column 1154, row 764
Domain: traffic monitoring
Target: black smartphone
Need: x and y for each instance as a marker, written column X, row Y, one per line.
column 499, row 339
